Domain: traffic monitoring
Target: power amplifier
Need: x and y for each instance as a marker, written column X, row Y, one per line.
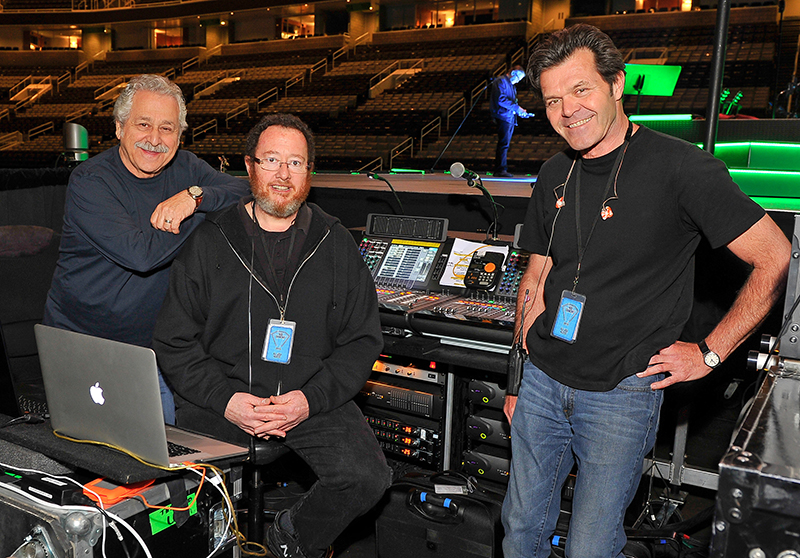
column 487, row 394
column 484, row 465
column 489, row 430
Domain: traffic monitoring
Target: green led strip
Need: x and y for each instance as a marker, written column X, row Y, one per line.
column 660, row 117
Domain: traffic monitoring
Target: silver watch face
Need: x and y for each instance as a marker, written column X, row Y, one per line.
column 711, row 359
column 195, row 191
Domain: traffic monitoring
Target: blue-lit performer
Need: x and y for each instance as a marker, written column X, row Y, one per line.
column 505, row 109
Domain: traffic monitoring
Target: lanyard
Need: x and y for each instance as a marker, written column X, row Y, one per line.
column 612, row 179
column 270, row 257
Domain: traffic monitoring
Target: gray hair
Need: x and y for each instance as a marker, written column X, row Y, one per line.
column 154, row 84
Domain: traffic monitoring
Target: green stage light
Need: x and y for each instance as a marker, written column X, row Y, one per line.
column 660, row 117
column 407, row 171
column 651, row 79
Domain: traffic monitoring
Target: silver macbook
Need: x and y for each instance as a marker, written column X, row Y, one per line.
column 107, row 391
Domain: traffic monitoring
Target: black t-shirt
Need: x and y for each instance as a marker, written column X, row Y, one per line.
column 638, row 267
column 277, row 253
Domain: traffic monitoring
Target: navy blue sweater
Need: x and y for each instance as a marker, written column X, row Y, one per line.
column 113, row 266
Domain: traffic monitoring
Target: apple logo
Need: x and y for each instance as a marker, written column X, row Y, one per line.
column 97, row 394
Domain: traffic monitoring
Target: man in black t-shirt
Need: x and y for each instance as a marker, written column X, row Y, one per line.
column 612, row 226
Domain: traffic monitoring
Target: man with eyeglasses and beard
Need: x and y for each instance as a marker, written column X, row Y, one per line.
column 270, row 327
column 128, row 211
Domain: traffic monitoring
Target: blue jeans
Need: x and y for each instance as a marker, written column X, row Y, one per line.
column 554, row 427
column 167, row 400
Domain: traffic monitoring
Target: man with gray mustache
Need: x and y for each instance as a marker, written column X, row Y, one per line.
column 128, row 211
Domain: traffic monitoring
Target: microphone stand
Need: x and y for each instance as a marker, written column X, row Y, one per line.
column 479, row 185
column 376, row 176
column 474, row 102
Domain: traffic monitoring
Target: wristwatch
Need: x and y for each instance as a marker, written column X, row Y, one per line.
column 711, row 358
column 197, row 195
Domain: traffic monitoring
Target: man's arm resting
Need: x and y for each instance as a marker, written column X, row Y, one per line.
column 766, row 248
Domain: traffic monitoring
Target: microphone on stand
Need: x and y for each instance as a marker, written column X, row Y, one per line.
column 474, row 181
column 459, row 171
column 376, row 176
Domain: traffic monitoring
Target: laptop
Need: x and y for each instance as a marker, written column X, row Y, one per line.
column 106, row 391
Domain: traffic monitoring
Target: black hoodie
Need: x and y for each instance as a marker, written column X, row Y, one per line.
column 201, row 336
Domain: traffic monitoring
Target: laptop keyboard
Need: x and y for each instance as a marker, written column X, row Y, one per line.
column 176, row 450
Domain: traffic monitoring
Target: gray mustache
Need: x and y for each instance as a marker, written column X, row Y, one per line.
column 150, row 147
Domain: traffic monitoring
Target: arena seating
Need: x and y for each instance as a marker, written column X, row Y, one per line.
column 357, row 123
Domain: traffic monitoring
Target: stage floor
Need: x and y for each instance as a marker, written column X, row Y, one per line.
column 440, row 183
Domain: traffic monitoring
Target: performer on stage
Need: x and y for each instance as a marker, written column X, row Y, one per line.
column 505, row 109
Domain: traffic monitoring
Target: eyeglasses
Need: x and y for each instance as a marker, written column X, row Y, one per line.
column 272, row 164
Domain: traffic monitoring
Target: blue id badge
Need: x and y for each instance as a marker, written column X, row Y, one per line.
column 568, row 317
column 278, row 344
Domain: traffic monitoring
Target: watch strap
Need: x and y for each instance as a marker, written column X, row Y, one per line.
column 715, row 360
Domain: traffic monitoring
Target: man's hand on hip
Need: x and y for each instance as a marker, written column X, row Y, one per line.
column 682, row 361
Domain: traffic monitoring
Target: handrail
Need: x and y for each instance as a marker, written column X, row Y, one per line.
column 5, row 113
column 212, row 52
column 484, row 85
column 322, row 64
column 500, row 70
column 169, row 73
column 266, row 96
column 20, row 86
column 361, row 40
column 516, row 58
column 459, row 104
column 380, row 76
column 233, row 113
column 435, row 124
column 405, row 145
column 338, row 54
column 83, row 66
column 109, row 86
column 299, row 78
column 219, row 76
column 97, row 55
column 25, row 103
column 102, row 105
column 62, row 78
column 77, row 114
column 533, row 41
column 186, row 64
column 39, row 130
column 379, row 160
column 204, row 128
column 661, row 58
column 9, row 140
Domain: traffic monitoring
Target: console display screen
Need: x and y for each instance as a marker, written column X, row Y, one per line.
column 408, row 262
